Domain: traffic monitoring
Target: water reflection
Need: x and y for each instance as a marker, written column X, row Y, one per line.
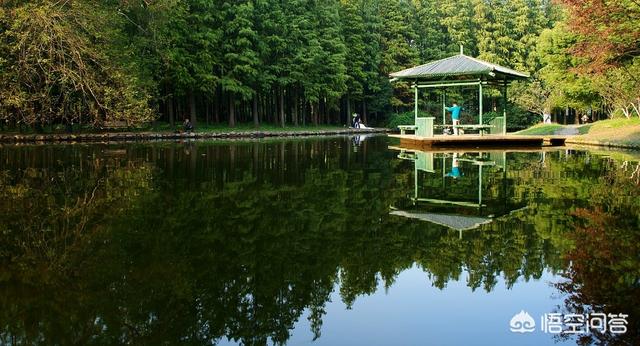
column 202, row 242
column 449, row 188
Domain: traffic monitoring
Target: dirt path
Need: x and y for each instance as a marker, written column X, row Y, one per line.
column 569, row 130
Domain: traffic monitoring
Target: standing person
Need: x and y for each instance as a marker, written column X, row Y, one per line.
column 455, row 116
column 546, row 116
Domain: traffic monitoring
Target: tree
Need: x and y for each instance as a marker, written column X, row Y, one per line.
column 570, row 88
column 609, row 31
column 620, row 89
column 431, row 35
column 58, row 67
column 352, row 20
column 398, row 45
column 239, row 57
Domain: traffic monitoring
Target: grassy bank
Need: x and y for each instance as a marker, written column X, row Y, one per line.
column 168, row 133
column 612, row 132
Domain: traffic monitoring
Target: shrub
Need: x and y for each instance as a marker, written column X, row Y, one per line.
column 405, row 118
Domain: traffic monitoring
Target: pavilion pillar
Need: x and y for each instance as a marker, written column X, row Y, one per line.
column 444, row 106
column 480, row 103
column 504, row 109
column 416, row 105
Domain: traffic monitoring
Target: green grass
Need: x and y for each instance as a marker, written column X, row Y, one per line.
column 612, row 131
column 614, row 124
column 584, row 129
column 218, row 128
column 541, row 129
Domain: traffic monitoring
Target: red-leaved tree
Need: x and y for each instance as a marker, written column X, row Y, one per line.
column 609, row 30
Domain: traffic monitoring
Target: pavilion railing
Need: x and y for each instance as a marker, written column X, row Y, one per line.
column 425, row 126
column 497, row 124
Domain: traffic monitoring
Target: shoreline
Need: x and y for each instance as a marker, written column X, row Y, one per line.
column 595, row 143
column 619, row 133
column 158, row 136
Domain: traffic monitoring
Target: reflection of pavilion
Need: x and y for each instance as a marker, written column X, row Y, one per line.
column 449, row 188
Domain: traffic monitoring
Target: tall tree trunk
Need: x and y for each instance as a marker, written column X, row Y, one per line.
column 315, row 107
column 566, row 114
column 348, row 110
column 364, row 110
column 295, row 107
column 281, row 106
column 216, row 106
column 273, row 104
column 208, row 111
column 192, row 109
column 232, row 110
column 170, row 110
column 304, row 111
column 254, row 110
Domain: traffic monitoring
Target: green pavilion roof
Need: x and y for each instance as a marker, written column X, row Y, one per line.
column 457, row 222
column 459, row 65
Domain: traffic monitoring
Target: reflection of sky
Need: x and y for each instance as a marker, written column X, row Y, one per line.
column 412, row 312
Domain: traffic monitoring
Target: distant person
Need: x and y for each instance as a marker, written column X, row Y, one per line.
column 455, row 116
column 356, row 122
column 546, row 117
column 585, row 119
column 187, row 125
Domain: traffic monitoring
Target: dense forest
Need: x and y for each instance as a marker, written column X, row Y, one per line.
column 299, row 62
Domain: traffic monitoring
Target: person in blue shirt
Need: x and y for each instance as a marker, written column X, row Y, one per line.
column 455, row 168
column 455, row 115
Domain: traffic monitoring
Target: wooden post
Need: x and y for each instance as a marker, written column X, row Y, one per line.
column 416, row 105
column 444, row 106
column 504, row 109
column 480, row 103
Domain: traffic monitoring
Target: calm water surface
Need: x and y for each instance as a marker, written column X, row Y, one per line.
column 335, row 241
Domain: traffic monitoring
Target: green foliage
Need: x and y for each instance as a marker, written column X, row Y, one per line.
column 406, row 118
column 268, row 61
column 56, row 67
column 569, row 87
column 519, row 118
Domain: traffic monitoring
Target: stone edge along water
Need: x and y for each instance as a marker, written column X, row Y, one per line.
column 153, row 136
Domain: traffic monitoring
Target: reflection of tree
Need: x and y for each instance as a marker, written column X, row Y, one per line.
column 186, row 245
column 50, row 214
column 49, row 211
column 604, row 271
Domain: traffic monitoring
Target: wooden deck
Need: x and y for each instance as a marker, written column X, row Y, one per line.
column 493, row 141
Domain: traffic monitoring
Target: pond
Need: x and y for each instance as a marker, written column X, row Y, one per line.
column 324, row 241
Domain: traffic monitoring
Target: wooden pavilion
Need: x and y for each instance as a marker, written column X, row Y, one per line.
column 458, row 71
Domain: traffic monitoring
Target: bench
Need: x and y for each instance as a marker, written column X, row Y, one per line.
column 482, row 128
column 404, row 128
